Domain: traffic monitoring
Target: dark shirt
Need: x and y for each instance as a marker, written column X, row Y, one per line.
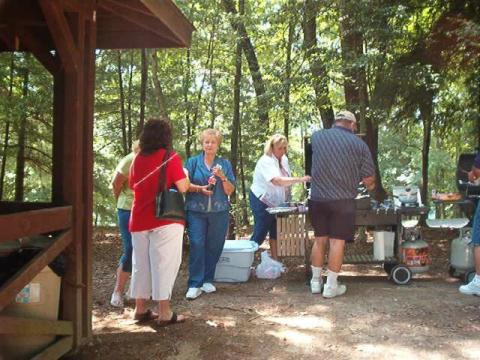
column 340, row 160
column 476, row 162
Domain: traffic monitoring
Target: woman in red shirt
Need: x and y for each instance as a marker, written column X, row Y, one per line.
column 157, row 243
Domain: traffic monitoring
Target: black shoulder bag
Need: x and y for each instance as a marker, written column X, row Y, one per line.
column 169, row 203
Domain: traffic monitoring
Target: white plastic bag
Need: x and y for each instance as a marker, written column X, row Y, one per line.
column 269, row 268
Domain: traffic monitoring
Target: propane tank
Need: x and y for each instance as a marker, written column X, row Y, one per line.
column 415, row 255
column 461, row 251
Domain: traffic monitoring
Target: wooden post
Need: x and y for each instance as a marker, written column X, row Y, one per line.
column 69, row 174
column 87, row 192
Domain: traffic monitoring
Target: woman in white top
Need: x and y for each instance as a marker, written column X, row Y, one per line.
column 271, row 187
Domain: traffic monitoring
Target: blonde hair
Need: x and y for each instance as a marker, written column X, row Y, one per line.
column 211, row 132
column 274, row 140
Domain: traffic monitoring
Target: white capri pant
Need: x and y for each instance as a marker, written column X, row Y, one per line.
column 156, row 259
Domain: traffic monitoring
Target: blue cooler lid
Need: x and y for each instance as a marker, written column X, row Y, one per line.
column 240, row 246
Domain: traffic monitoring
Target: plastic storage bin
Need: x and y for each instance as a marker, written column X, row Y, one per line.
column 38, row 300
column 235, row 261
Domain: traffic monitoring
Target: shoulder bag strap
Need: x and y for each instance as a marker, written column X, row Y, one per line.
column 162, row 179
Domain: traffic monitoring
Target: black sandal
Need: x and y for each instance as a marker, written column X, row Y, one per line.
column 173, row 320
column 145, row 317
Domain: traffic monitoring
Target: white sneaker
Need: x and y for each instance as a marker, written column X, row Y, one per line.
column 116, row 300
column 316, row 286
column 193, row 293
column 472, row 288
column 208, row 288
column 331, row 292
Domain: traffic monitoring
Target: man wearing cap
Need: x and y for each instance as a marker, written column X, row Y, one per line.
column 340, row 162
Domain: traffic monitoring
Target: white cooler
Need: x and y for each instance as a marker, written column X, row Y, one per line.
column 235, row 262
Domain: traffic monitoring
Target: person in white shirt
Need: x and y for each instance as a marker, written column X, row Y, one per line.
column 270, row 188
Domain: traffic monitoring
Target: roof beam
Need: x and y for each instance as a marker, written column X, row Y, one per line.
column 61, row 34
column 173, row 19
column 127, row 13
column 31, row 43
column 80, row 6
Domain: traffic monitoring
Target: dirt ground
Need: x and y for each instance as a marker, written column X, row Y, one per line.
column 281, row 319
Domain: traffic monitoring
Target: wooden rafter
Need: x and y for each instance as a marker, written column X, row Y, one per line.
column 61, row 34
column 129, row 14
column 28, row 223
column 80, row 6
column 34, row 45
column 173, row 19
column 16, row 283
column 14, row 325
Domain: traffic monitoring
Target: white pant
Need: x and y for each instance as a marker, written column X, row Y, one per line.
column 157, row 255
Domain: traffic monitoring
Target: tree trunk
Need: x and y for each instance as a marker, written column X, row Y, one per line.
column 236, row 114
column 356, row 84
column 186, row 87
column 213, row 103
column 288, row 68
column 351, row 43
column 158, row 86
column 202, row 86
column 317, row 68
column 129, row 101
column 20, row 168
column 242, row 176
column 123, row 121
column 213, row 81
column 143, row 91
column 251, row 57
column 426, row 113
column 6, row 138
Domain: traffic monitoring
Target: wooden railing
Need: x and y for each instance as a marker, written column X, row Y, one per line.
column 57, row 222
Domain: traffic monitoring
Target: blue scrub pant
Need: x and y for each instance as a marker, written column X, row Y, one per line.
column 206, row 232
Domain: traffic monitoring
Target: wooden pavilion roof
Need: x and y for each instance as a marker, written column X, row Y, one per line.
column 120, row 24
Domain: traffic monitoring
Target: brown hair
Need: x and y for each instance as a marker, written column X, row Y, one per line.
column 156, row 134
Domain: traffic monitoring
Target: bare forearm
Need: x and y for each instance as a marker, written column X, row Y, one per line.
column 195, row 188
column 228, row 187
column 287, row 181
